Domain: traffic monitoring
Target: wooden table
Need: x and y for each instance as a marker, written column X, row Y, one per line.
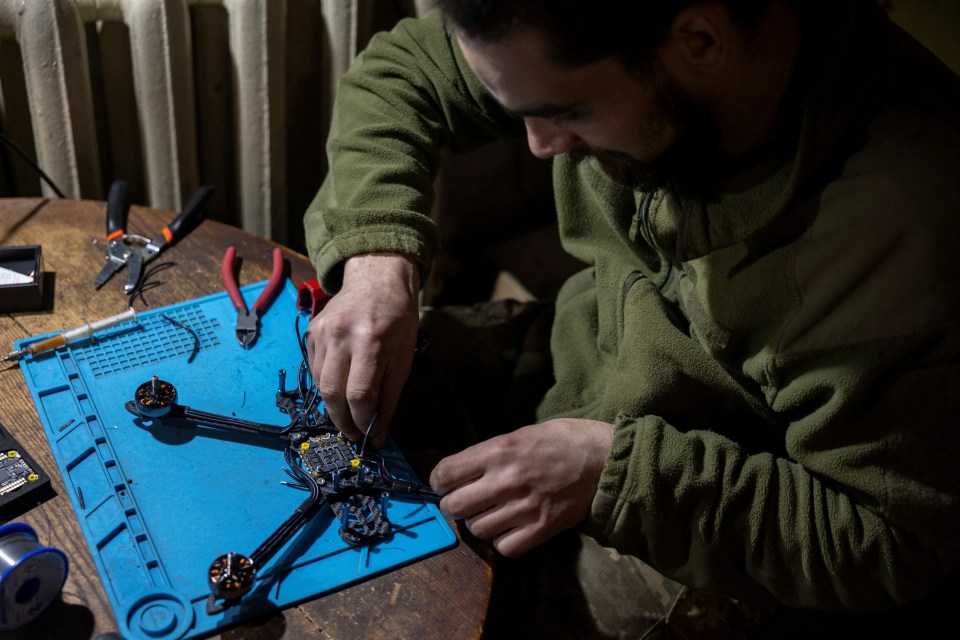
column 444, row 596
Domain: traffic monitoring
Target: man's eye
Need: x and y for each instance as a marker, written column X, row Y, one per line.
column 570, row 116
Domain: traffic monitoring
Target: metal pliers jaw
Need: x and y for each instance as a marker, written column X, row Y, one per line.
column 134, row 251
column 118, row 251
column 248, row 326
column 248, row 320
column 118, row 254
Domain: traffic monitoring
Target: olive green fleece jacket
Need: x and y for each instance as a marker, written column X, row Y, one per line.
column 781, row 359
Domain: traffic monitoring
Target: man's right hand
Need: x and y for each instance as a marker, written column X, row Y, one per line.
column 361, row 345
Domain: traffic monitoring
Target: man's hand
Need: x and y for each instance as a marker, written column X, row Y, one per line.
column 524, row 487
column 361, row 345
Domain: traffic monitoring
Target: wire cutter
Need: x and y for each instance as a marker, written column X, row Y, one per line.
column 134, row 251
column 248, row 327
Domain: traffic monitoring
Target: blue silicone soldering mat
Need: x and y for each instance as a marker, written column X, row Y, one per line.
column 158, row 503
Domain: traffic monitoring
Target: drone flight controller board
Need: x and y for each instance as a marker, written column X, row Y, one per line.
column 157, row 502
column 22, row 481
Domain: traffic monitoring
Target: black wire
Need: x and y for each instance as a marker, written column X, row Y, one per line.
column 301, row 338
column 300, row 473
column 281, row 536
column 9, row 175
column 303, row 371
column 23, row 154
column 145, row 284
column 138, row 293
column 297, row 520
column 196, row 338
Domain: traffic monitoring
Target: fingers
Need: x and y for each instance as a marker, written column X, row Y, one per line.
column 330, row 376
column 359, row 375
column 468, row 500
column 521, row 488
column 453, row 472
column 516, row 542
column 514, row 526
column 361, row 344
column 350, row 391
column 390, row 389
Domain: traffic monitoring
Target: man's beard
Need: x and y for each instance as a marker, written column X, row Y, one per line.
column 687, row 164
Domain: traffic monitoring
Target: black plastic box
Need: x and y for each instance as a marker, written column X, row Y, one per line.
column 27, row 296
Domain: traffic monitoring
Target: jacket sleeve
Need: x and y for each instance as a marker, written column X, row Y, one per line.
column 860, row 515
column 406, row 97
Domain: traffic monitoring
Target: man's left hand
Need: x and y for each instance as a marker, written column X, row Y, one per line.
column 524, row 487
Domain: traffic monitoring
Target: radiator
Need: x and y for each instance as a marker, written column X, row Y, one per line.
column 171, row 94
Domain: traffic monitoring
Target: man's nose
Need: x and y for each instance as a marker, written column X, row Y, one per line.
column 546, row 139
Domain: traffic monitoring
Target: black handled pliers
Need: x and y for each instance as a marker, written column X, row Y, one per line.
column 248, row 327
column 134, row 251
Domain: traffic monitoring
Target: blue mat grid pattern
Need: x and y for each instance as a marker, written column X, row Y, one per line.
column 157, row 503
column 131, row 345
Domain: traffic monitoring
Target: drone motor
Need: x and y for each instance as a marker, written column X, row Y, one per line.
column 231, row 576
column 155, row 398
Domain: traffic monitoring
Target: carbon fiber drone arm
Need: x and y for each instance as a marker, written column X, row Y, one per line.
column 232, row 575
column 156, row 399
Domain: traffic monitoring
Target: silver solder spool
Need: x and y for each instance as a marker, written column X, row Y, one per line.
column 31, row 575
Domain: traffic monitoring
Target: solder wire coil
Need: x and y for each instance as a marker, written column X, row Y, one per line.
column 31, row 575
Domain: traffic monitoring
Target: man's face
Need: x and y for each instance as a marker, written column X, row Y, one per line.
column 644, row 131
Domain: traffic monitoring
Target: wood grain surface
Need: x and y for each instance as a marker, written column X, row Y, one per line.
column 444, row 596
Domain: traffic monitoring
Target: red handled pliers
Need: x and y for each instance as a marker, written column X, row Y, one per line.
column 248, row 326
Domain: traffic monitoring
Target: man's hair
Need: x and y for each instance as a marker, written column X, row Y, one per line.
column 584, row 31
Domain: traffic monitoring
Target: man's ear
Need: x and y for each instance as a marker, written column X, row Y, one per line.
column 699, row 37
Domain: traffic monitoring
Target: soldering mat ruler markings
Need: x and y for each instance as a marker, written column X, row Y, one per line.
column 157, row 503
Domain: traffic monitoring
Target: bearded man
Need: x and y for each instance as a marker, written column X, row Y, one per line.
column 757, row 373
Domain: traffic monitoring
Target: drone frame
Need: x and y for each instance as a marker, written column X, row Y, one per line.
column 354, row 482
